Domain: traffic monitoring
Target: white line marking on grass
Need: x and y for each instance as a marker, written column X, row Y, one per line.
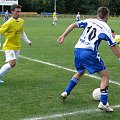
column 68, row 69
column 57, row 116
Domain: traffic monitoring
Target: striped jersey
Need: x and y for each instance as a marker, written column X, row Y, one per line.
column 94, row 30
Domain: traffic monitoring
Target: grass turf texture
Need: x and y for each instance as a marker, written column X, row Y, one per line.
column 33, row 89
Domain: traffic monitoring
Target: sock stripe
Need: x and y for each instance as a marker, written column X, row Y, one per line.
column 104, row 93
column 104, row 97
column 73, row 82
column 75, row 79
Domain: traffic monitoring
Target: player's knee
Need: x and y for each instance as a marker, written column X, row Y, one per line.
column 78, row 75
column 12, row 63
column 104, row 74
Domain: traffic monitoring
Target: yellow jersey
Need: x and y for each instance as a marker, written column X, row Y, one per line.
column 12, row 29
column 117, row 38
column 54, row 14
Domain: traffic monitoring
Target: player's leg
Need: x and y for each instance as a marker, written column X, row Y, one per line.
column 104, row 86
column 93, row 63
column 4, row 69
column 104, row 91
column 80, row 72
column 72, row 83
column 11, row 57
column 53, row 21
column 75, row 79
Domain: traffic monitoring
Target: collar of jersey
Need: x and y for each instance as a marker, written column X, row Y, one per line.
column 100, row 19
column 14, row 19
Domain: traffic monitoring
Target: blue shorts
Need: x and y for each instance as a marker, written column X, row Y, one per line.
column 86, row 59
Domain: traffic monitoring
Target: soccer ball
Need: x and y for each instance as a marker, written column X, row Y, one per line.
column 96, row 94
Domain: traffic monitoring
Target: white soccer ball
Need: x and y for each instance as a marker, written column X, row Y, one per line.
column 96, row 94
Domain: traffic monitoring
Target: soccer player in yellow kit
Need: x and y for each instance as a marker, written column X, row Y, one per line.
column 13, row 31
column 54, row 18
column 116, row 37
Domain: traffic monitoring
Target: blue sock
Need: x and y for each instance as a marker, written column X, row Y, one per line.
column 73, row 82
column 104, row 97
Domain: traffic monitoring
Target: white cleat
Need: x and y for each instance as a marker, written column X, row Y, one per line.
column 106, row 107
column 64, row 95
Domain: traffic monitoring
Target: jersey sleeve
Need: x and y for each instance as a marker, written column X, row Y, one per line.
column 81, row 24
column 107, row 36
column 111, row 41
column 4, row 28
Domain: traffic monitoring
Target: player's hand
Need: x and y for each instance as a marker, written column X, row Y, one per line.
column 60, row 39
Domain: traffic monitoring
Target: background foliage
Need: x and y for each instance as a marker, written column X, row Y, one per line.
column 70, row 6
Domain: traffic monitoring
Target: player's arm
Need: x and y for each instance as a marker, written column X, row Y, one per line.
column 116, row 51
column 113, row 47
column 25, row 38
column 4, row 28
column 67, row 31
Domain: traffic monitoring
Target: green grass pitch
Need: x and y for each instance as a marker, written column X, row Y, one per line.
column 32, row 89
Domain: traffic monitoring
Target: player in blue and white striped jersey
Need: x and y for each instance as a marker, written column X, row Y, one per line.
column 86, row 56
column 6, row 16
column 78, row 16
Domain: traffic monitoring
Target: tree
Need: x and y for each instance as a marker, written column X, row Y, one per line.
column 70, row 6
column 61, row 7
column 25, row 5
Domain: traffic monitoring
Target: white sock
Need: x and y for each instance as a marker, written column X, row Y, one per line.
column 5, row 68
